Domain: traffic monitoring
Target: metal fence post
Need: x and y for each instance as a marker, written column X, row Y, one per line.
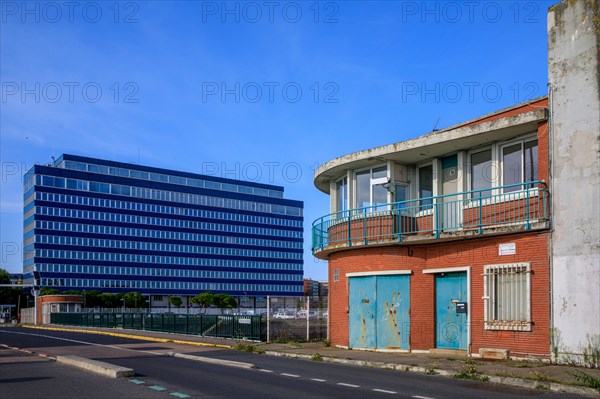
column 268, row 317
column 308, row 318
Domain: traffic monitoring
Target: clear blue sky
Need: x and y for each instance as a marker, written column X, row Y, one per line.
column 254, row 90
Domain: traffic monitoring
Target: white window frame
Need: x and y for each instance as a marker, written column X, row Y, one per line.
column 336, row 275
column 372, row 182
column 519, row 304
column 337, row 193
column 521, row 140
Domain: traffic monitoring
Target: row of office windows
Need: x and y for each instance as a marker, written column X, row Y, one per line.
column 162, row 209
column 168, row 285
column 182, row 273
column 153, row 246
column 162, row 178
column 147, row 233
column 120, row 218
column 171, row 196
column 204, row 262
column 172, row 260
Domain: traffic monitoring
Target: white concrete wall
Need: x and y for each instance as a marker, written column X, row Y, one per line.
column 573, row 40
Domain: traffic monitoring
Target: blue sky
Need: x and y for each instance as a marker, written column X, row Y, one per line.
column 251, row 90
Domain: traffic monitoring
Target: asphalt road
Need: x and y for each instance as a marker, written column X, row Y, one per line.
column 273, row 377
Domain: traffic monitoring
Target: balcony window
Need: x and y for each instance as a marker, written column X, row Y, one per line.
column 426, row 186
column 370, row 190
column 519, row 164
column 481, row 173
column 342, row 194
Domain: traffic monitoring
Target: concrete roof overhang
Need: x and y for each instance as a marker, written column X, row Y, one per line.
column 432, row 145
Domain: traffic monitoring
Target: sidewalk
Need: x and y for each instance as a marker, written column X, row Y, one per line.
column 528, row 374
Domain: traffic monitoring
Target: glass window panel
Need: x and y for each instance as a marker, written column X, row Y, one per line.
column 230, row 187
column 119, row 172
column 139, row 175
column 426, row 185
column 481, row 173
column 511, row 166
column 246, row 190
column 379, row 173
column 380, row 196
column 177, row 180
column 261, row 191
column 342, row 194
column 530, row 150
column 98, row 169
column 213, row 185
column 99, row 187
column 400, row 195
column 195, row 182
column 75, row 165
column 363, row 189
column 159, row 177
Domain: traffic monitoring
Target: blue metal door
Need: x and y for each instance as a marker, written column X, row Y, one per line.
column 380, row 312
column 362, row 312
column 451, row 324
column 393, row 312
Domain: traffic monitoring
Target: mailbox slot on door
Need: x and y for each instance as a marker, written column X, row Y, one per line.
column 461, row 307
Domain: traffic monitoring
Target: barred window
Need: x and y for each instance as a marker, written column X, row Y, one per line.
column 507, row 297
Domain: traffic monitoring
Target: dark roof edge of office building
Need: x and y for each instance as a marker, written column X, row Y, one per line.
column 98, row 161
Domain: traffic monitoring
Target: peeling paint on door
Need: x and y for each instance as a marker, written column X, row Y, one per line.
column 385, row 324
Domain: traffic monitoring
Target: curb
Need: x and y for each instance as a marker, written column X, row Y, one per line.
column 132, row 336
column 95, row 366
column 517, row 382
column 209, row 360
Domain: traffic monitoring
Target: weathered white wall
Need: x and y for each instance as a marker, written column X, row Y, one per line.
column 573, row 47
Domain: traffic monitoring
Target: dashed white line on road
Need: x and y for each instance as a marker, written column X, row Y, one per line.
column 348, row 385
column 291, row 375
column 266, row 371
column 421, row 397
column 384, row 391
column 318, row 380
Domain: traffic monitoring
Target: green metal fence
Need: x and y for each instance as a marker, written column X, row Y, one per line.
column 224, row 326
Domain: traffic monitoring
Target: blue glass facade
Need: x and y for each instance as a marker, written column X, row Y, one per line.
column 92, row 224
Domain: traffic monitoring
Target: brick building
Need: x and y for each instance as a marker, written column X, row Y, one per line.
column 441, row 242
column 481, row 237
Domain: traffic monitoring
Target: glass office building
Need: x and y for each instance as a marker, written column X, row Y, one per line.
column 92, row 224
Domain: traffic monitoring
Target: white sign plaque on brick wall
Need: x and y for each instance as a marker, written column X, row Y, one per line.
column 510, row 248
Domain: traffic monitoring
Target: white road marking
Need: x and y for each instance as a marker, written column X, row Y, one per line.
column 266, row 371
column 348, row 385
column 384, row 391
column 421, row 397
column 81, row 342
column 291, row 375
column 318, row 380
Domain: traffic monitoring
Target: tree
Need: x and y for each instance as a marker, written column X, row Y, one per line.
column 224, row 301
column 49, row 291
column 109, row 300
column 204, row 299
column 175, row 301
column 134, row 300
column 91, row 299
column 8, row 295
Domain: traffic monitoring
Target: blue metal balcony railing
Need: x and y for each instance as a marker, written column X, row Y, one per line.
column 515, row 205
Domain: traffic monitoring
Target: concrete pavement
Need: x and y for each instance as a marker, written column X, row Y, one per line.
column 527, row 374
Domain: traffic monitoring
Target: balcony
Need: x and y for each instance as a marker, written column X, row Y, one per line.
column 497, row 210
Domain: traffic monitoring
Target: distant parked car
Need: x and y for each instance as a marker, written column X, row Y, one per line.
column 281, row 315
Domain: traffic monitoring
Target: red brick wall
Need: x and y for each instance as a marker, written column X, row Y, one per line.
column 476, row 253
column 543, row 103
